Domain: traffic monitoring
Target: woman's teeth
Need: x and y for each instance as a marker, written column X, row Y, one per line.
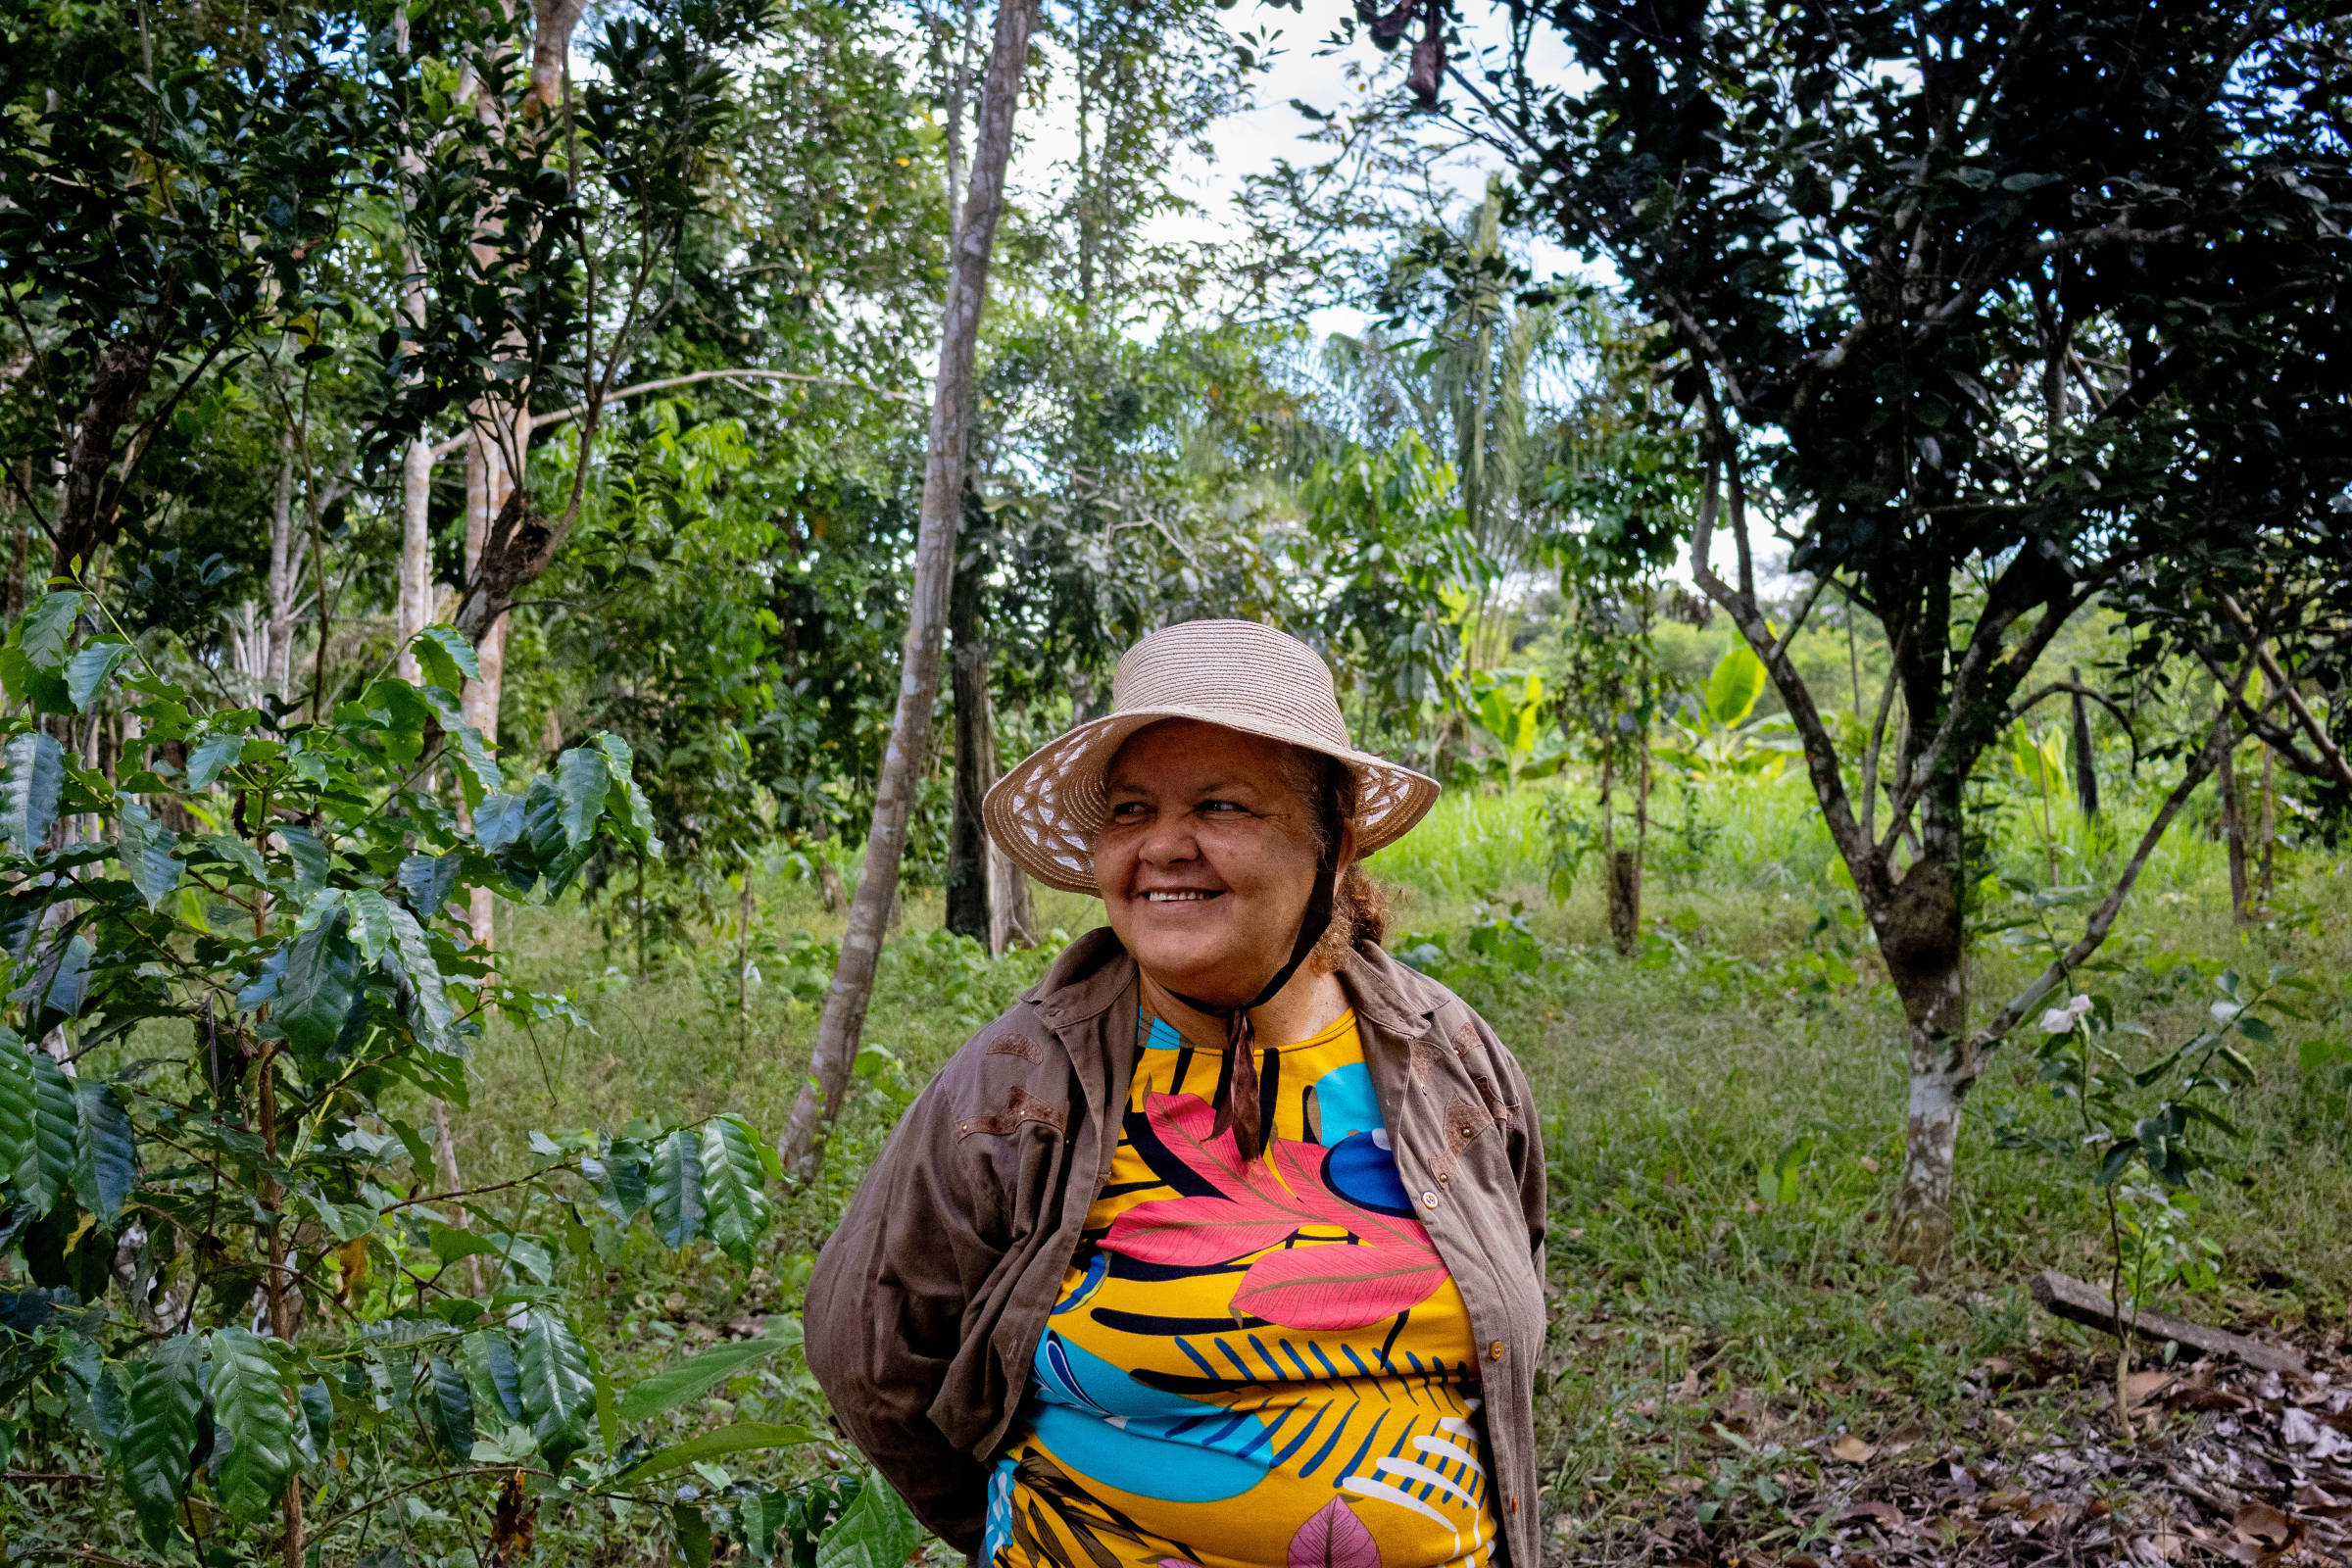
column 1190, row 896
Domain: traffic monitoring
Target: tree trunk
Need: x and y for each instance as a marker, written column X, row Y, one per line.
column 285, row 577
column 1919, row 932
column 837, row 1034
column 967, row 890
column 416, row 604
column 1625, row 900
column 2233, row 838
column 2087, row 769
column 2270, row 825
column 489, row 483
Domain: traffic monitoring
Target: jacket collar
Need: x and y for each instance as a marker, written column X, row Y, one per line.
column 1096, row 970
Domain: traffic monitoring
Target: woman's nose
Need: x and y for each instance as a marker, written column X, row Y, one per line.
column 1169, row 842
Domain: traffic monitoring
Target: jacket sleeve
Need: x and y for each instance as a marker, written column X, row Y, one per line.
column 886, row 1305
column 1527, row 1155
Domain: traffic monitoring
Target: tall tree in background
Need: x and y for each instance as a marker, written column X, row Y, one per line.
column 944, row 482
column 1955, row 322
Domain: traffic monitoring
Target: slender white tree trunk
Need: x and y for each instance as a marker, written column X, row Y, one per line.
column 416, row 608
column 285, row 566
column 489, row 481
column 844, row 1019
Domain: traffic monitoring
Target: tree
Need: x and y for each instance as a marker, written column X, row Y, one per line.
column 1943, row 284
column 836, row 1048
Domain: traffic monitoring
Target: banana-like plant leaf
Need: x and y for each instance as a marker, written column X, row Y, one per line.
column 160, row 1441
column 1735, row 685
column 697, row 1375
column 250, row 1412
column 558, row 1396
column 676, row 1193
column 733, row 1190
column 33, row 774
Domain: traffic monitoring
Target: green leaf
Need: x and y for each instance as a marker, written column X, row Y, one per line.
column 2257, row 1029
column 426, row 881
column 557, row 1398
column 448, row 1408
column 48, row 1172
column 672, row 1386
column 165, row 1393
column 19, row 1100
column 617, row 1178
column 429, row 1013
column 91, row 667
column 446, row 657
column 498, row 820
column 210, row 756
column 147, row 858
column 321, row 979
column 1734, row 686
column 761, row 1517
column 30, row 782
column 46, row 628
column 478, row 770
column 732, row 1189
column 256, row 1423
column 877, row 1532
column 693, row 1532
column 677, row 1190
column 741, row 1437
column 106, row 1166
column 582, row 780
column 490, row 1356
column 370, row 922
column 311, row 858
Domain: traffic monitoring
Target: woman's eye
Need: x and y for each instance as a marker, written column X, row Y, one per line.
column 1128, row 812
column 1220, row 807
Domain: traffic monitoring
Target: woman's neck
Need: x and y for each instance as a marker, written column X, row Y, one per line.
column 1311, row 1000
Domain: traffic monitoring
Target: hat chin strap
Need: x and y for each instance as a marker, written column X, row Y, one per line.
column 1237, row 1096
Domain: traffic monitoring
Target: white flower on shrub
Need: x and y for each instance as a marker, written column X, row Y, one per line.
column 2058, row 1020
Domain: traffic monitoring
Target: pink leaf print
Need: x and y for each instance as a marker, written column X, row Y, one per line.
column 1337, row 1286
column 1334, row 1537
column 1197, row 1232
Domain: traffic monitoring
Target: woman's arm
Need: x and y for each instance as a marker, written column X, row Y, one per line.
column 886, row 1305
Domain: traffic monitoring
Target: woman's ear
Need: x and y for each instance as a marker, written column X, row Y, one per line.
column 1345, row 854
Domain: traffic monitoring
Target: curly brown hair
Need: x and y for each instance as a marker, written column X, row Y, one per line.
column 1359, row 910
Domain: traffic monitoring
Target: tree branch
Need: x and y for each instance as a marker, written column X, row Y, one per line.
column 2308, row 720
column 2218, row 741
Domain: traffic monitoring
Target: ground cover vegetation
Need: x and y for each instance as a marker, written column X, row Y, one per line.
column 529, row 531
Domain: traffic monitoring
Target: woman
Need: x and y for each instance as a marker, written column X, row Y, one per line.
column 1225, row 1244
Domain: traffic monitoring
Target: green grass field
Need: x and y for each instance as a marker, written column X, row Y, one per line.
column 1753, row 1034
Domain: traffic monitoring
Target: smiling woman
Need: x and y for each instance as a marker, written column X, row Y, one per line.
column 1130, row 1286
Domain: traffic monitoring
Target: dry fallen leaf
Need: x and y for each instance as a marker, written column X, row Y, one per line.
column 2002, row 1420
column 2138, row 1387
column 2260, row 1522
column 1906, row 1435
column 1869, row 1164
column 1885, row 1515
column 1852, row 1449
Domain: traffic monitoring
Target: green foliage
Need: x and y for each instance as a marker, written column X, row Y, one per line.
column 249, row 1004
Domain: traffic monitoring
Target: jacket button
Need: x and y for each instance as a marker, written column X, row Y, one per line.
column 1428, row 1199
column 1494, row 1351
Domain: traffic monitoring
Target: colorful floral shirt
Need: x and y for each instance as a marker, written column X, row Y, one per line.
column 1254, row 1364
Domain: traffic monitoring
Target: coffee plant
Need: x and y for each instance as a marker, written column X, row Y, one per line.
column 241, row 1313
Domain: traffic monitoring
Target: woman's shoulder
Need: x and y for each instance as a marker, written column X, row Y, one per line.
column 1389, row 984
column 1030, row 1044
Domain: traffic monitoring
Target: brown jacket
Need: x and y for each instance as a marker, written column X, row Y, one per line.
column 929, row 1300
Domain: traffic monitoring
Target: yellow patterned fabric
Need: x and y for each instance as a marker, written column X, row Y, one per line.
column 1250, row 1364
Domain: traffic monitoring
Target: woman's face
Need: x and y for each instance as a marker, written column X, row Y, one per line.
column 1208, row 858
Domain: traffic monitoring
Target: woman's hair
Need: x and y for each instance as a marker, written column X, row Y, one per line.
column 1360, row 912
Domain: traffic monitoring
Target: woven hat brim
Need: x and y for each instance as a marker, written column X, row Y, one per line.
column 1046, row 813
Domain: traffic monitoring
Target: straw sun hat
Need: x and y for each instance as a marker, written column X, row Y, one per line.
column 1048, row 812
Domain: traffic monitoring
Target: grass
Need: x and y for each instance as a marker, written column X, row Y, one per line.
column 1748, row 1029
